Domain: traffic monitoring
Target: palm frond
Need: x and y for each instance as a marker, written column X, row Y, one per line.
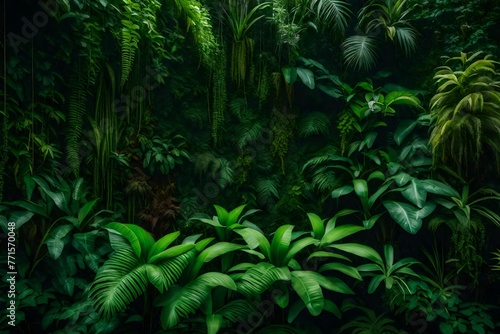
column 360, row 52
column 314, row 123
column 334, row 13
column 406, row 38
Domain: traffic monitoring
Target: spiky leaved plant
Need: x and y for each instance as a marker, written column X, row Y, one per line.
column 466, row 108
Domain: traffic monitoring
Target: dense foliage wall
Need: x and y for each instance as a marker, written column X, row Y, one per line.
column 382, row 114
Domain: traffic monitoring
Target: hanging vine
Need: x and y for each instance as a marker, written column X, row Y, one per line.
column 220, row 94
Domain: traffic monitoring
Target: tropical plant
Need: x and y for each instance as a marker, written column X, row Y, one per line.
column 390, row 16
column 137, row 260
column 369, row 322
column 240, row 21
column 466, row 110
column 163, row 154
column 466, row 213
column 394, row 275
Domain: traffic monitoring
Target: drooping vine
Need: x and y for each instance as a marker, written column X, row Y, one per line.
column 219, row 94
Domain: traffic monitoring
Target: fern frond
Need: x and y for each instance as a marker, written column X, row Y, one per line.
column 267, row 190
column 118, row 283
column 77, row 112
column 248, row 133
column 313, row 124
column 179, row 302
column 130, row 42
column 261, row 277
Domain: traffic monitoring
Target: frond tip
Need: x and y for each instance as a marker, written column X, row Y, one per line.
column 360, row 52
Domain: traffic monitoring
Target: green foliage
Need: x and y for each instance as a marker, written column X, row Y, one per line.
column 137, row 261
column 220, row 95
column 241, row 20
column 393, row 274
column 77, row 112
column 466, row 111
column 313, row 124
column 368, row 322
column 391, row 16
column 163, row 154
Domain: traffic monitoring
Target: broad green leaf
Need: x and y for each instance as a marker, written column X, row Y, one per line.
column 344, row 190
column 255, row 239
column 317, row 224
column 297, row 246
column 415, row 193
column 290, row 74
column 139, row 239
column 85, row 210
column 439, row 188
column 234, row 214
column 222, row 214
column 295, row 310
column 405, row 215
column 402, row 179
column 404, row 128
column 280, row 244
column 374, row 283
column 339, row 233
column 332, row 308
column 214, row 323
column 283, row 297
column 309, row 291
column 343, row 268
column 161, row 244
column 170, row 253
column 55, row 242
column 360, row 250
column 361, row 189
column 307, row 77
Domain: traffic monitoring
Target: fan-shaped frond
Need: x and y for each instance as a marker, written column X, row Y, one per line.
column 360, row 52
column 118, row 282
column 406, row 38
column 179, row 302
column 333, row 13
column 313, row 124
